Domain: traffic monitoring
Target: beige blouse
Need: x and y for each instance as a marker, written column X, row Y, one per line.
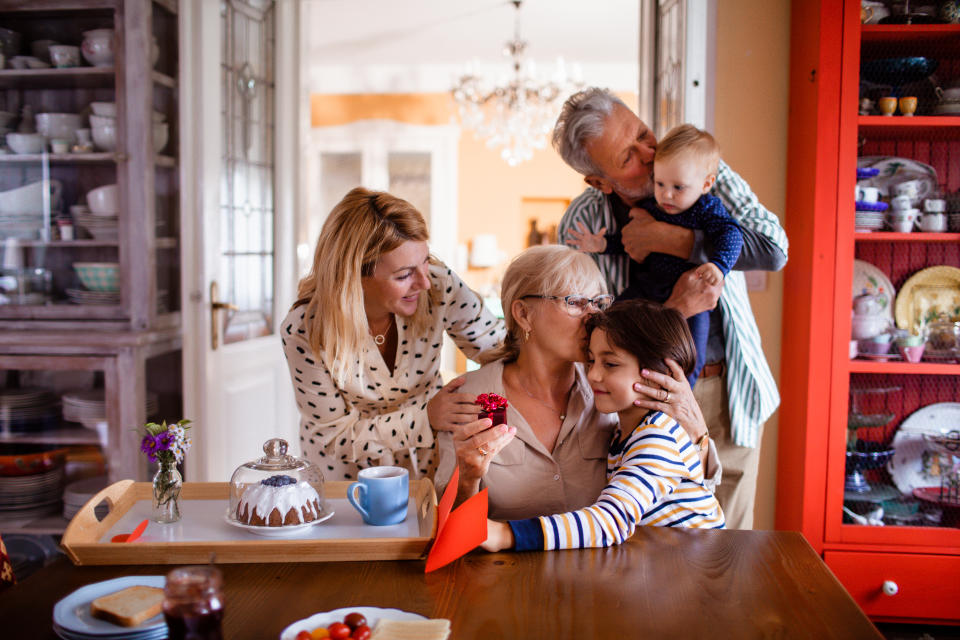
column 378, row 417
column 525, row 480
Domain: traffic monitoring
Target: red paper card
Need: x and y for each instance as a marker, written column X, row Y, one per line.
column 458, row 531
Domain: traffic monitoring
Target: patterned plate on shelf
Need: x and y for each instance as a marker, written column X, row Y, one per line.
column 926, row 294
column 916, row 462
column 869, row 279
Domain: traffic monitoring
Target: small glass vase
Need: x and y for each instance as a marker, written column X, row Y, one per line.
column 167, row 484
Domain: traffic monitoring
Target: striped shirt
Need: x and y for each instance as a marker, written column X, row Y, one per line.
column 750, row 385
column 654, row 478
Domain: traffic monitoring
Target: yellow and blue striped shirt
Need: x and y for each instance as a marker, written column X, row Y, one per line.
column 654, row 478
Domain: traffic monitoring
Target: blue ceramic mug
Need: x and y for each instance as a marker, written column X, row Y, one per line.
column 383, row 495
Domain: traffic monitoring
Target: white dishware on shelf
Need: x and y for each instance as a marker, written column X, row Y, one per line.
column 104, row 201
column 104, row 134
column 65, row 56
column 869, row 279
column 59, row 125
column 916, row 462
column 161, row 133
column 104, row 109
column 26, row 143
column 932, row 222
column 97, row 47
column 28, row 199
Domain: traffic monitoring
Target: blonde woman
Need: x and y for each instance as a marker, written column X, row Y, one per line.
column 363, row 340
column 557, row 460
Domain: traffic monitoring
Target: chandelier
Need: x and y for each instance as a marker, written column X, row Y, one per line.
column 519, row 112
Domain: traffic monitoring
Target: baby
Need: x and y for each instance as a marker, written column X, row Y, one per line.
column 654, row 475
column 684, row 171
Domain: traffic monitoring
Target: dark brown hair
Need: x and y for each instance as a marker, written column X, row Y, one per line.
column 649, row 331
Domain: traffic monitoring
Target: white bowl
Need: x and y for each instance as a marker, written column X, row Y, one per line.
column 107, row 109
column 104, row 135
column 103, row 201
column 64, row 55
column 26, row 142
column 59, row 125
column 28, row 199
column 97, row 47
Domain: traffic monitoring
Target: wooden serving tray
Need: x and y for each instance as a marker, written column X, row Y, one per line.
column 203, row 531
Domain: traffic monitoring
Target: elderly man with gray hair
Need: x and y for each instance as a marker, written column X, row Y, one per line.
column 602, row 139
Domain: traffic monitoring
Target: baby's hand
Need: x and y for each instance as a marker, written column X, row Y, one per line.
column 587, row 242
column 711, row 273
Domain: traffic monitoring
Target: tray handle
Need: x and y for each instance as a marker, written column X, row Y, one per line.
column 85, row 527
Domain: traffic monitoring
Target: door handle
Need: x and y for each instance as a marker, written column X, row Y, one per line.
column 215, row 307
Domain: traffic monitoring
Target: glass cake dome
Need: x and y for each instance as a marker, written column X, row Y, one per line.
column 277, row 490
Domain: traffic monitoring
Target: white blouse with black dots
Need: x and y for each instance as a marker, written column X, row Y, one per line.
column 377, row 418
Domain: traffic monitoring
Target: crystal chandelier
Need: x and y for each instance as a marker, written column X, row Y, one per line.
column 519, row 112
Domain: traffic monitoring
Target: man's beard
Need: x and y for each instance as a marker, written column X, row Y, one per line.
column 634, row 195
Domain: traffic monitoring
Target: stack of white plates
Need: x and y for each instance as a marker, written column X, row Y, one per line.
column 89, row 406
column 27, row 497
column 100, row 227
column 76, row 494
column 25, row 409
column 82, row 296
column 869, row 220
column 72, row 619
column 20, row 226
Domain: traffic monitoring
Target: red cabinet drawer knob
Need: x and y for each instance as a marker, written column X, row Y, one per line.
column 890, row 587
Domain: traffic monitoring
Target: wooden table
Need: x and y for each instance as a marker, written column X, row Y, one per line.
column 663, row 583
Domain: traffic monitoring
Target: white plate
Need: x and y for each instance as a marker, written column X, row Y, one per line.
column 159, row 634
column 326, row 618
column 286, row 531
column 869, row 279
column 73, row 612
column 915, row 462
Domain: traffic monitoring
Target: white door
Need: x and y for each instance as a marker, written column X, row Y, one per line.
column 238, row 185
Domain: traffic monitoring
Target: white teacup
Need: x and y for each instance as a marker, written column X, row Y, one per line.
column 910, row 188
column 868, row 194
column 932, row 222
column 901, row 203
column 903, row 221
column 948, row 95
column 934, row 205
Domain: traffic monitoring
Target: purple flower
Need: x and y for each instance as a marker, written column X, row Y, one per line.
column 149, row 446
column 164, row 441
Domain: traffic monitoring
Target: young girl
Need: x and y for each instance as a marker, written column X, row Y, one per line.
column 654, row 476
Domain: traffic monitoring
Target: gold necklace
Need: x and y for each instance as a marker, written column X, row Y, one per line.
column 380, row 338
column 562, row 414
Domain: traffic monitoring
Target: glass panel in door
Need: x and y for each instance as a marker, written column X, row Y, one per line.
column 247, row 198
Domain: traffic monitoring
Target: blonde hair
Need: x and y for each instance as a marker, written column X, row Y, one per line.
column 542, row 270
column 687, row 139
column 362, row 227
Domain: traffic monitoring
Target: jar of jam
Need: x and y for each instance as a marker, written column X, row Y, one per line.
column 193, row 603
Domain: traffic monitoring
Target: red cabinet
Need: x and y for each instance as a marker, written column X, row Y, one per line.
column 889, row 523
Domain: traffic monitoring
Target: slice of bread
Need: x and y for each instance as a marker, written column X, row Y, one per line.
column 435, row 629
column 128, row 607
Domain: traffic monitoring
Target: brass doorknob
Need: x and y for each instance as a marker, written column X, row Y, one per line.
column 215, row 306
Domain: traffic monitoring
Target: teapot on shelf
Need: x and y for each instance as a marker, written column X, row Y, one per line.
column 869, row 316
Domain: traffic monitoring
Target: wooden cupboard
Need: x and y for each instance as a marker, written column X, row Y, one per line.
column 133, row 341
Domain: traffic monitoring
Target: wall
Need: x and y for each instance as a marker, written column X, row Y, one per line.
column 752, row 60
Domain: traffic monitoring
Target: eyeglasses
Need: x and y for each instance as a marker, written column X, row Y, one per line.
column 576, row 304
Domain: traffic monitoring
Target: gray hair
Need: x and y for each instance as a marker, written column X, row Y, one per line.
column 582, row 119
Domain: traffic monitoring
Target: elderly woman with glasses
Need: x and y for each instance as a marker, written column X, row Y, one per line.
column 552, row 457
